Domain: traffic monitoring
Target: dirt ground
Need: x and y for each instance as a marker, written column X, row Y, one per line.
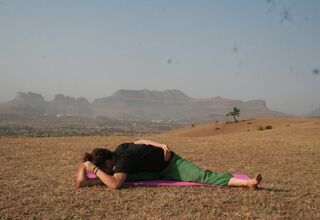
column 37, row 175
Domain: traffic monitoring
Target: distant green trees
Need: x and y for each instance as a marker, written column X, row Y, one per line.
column 235, row 113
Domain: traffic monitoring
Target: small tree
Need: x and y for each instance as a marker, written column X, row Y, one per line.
column 235, row 113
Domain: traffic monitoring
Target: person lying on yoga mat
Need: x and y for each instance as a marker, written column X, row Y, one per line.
column 149, row 160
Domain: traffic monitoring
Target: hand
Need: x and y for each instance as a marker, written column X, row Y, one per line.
column 89, row 166
column 167, row 152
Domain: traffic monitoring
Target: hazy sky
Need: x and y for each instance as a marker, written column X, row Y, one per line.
column 245, row 50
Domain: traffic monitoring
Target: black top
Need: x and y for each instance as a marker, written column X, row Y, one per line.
column 132, row 158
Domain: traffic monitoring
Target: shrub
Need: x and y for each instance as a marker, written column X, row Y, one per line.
column 260, row 128
column 268, row 127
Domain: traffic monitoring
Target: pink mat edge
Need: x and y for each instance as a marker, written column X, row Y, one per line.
column 171, row 182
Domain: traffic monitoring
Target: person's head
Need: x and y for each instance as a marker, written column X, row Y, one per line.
column 101, row 157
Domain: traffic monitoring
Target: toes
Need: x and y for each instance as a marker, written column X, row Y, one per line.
column 258, row 177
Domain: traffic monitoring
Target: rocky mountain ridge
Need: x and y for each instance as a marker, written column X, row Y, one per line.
column 139, row 105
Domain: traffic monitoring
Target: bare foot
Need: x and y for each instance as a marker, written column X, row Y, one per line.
column 82, row 179
column 253, row 183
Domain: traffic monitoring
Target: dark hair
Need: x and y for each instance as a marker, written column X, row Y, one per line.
column 99, row 156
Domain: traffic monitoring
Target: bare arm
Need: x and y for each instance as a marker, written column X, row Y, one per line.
column 113, row 182
column 167, row 151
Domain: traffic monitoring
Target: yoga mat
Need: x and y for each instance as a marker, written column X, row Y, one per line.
column 165, row 182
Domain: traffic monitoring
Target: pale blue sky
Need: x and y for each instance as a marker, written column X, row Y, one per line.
column 245, row 50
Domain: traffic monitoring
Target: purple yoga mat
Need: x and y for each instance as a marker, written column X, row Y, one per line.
column 164, row 182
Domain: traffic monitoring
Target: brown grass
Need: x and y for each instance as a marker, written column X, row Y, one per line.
column 37, row 175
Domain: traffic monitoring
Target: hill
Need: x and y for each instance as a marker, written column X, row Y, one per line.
column 246, row 126
column 142, row 105
column 175, row 105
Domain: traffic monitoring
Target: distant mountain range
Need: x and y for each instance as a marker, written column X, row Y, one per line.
column 314, row 114
column 143, row 105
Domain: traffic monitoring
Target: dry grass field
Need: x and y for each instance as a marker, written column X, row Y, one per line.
column 37, row 175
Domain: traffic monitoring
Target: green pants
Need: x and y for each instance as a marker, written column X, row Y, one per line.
column 182, row 170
